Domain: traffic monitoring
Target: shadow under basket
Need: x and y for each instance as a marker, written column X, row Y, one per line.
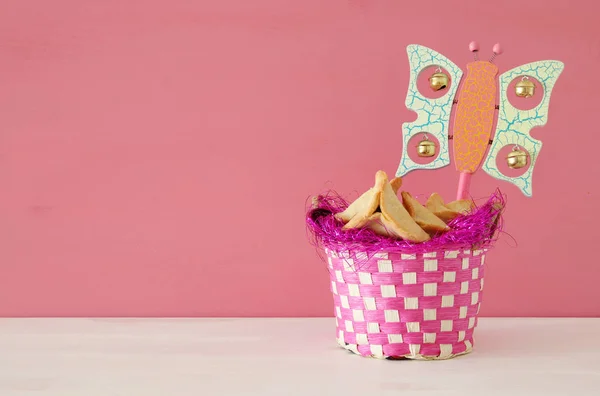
column 411, row 306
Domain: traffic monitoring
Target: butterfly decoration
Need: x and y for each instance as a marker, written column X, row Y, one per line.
column 475, row 107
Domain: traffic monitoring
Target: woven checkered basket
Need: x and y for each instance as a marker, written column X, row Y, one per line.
column 415, row 306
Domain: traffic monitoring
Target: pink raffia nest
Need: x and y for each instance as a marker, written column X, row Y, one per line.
column 479, row 229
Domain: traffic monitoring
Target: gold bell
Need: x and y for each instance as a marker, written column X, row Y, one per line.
column 525, row 88
column 438, row 80
column 426, row 148
column 517, row 159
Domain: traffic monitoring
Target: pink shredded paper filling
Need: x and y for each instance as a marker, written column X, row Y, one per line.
column 479, row 229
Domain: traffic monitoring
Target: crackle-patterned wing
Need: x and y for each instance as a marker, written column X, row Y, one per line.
column 514, row 125
column 433, row 115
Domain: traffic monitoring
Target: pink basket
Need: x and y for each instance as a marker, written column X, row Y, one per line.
column 415, row 306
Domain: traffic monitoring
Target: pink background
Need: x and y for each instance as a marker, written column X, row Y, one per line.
column 155, row 156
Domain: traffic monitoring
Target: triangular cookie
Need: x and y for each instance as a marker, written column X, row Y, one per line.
column 359, row 211
column 378, row 223
column 449, row 211
column 436, row 205
column 400, row 221
column 424, row 217
column 462, row 206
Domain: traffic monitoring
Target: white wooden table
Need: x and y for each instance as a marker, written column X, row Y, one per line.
column 172, row 357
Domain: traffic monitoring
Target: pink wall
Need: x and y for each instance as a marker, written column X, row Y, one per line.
column 155, row 156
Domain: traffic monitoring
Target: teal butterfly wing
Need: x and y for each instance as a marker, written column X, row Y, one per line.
column 514, row 125
column 433, row 115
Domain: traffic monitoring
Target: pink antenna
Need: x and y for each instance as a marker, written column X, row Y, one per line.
column 474, row 48
column 497, row 51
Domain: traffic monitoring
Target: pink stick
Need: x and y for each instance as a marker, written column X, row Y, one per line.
column 463, row 185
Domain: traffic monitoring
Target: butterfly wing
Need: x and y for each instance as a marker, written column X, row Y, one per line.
column 514, row 125
column 433, row 115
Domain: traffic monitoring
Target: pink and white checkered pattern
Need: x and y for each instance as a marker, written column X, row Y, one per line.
column 418, row 306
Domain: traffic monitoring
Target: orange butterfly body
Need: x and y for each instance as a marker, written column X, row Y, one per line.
column 474, row 115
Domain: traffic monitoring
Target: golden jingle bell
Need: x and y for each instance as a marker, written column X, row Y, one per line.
column 517, row 159
column 426, row 148
column 525, row 88
column 438, row 81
